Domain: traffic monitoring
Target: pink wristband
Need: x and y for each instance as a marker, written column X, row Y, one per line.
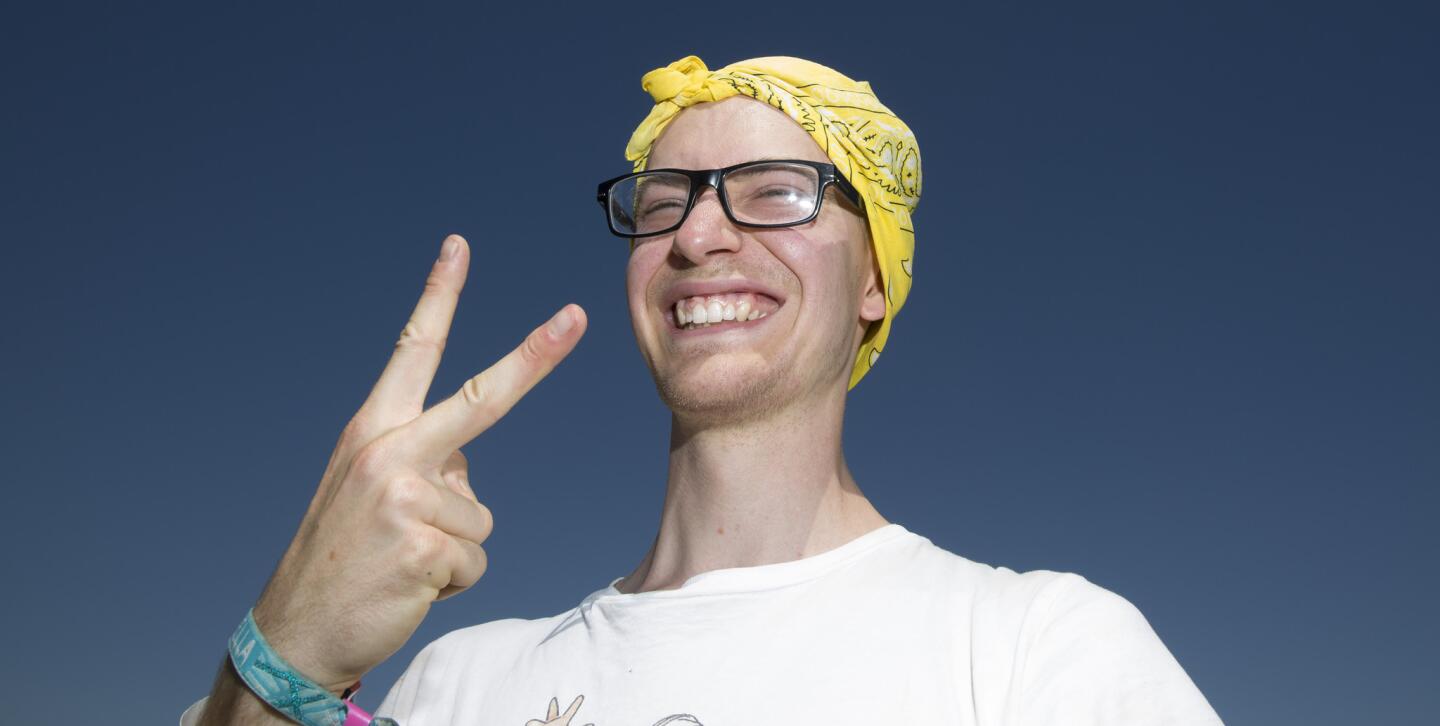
column 356, row 716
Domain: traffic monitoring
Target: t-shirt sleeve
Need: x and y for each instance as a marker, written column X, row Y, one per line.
column 191, row 716
column 1090, row 657
column 400, row 702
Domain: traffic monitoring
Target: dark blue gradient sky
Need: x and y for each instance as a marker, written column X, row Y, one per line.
column 1174, row 324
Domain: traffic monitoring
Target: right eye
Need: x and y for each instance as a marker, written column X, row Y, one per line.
column 654, row 205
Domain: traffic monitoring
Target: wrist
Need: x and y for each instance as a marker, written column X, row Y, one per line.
column 291, row 640
column 285, row 688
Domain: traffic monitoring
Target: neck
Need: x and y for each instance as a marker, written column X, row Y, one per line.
column 754, row 493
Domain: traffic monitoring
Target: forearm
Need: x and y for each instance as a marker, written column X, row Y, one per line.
column 232, row 703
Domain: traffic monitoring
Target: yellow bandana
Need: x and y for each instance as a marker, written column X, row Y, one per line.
column 871, row 146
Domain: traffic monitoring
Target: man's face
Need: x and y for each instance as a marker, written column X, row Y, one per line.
column 815, row 283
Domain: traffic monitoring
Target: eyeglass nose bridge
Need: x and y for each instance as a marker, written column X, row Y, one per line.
column 699, row 180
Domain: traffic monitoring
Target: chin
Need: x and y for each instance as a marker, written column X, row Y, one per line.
column 714, row 394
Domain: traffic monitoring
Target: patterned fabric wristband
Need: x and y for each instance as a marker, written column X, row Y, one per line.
column 277, row 683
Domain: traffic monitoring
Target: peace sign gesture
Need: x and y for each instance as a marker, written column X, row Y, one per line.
column 394, row 524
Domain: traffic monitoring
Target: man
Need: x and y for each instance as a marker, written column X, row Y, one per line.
column 769, row 214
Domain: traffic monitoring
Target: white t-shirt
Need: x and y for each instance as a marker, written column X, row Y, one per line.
column 885, row 629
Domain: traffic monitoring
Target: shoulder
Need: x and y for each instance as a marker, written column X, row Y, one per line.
column 1003, row 611
column 989, row 590
column 1071, row 618
column 1037, row 593
column 1062, row 649
column 1089, row 651
column 1036, row 608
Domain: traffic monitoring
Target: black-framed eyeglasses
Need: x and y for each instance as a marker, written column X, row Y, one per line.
column 769, row 193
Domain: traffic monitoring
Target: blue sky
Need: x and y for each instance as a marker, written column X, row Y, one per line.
column 1173, row 323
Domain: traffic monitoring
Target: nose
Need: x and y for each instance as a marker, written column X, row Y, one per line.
column 706, row 230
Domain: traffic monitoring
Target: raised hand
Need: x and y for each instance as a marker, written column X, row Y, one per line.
column 394, row 524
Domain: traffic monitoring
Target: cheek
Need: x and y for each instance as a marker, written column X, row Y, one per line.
column 820, row 261
column 639, row 272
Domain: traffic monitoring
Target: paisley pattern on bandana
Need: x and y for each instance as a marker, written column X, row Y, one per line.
column 868, row 143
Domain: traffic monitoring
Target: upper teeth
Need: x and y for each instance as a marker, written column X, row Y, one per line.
column 711, row 309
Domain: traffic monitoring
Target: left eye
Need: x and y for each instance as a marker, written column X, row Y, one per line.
column 773, row 192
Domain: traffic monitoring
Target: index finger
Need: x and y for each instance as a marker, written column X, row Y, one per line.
column 399, row 393
column 486, row 397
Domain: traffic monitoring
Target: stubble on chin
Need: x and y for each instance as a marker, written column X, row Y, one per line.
column 728, row 399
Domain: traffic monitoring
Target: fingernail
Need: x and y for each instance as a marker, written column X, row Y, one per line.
column 449, row 248
column 562, row 322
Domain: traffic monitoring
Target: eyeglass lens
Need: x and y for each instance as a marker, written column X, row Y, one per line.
column 778, row 193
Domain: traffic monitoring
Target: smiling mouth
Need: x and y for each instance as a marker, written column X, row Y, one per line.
column 722, row 310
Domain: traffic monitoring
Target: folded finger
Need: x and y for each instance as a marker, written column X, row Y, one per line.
column 455, row 473
column 460, row 516
column 467, row 562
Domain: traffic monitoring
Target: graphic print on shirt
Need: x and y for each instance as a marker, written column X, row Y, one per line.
column 553, row 717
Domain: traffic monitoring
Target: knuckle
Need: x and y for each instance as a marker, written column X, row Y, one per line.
column 424, row 548
column 460, row 484
column 371, row 460
column 486, row 520
column 532, row 352
column 476, row 563
column 414, row 337
column 436, row 285
column 356, row 432
column 482, row 562
column 468, row 573
column 406, row 494
column 477, row 390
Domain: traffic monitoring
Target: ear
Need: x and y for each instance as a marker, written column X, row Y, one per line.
column 872, row 303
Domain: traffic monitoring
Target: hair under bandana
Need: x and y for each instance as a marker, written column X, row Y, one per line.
column 871, row 146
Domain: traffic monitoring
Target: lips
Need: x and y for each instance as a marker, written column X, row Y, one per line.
column 683, row 289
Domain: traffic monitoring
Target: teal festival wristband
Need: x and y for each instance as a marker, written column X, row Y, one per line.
column 277, row 683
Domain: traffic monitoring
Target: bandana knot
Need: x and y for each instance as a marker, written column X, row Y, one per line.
column 682, row 82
